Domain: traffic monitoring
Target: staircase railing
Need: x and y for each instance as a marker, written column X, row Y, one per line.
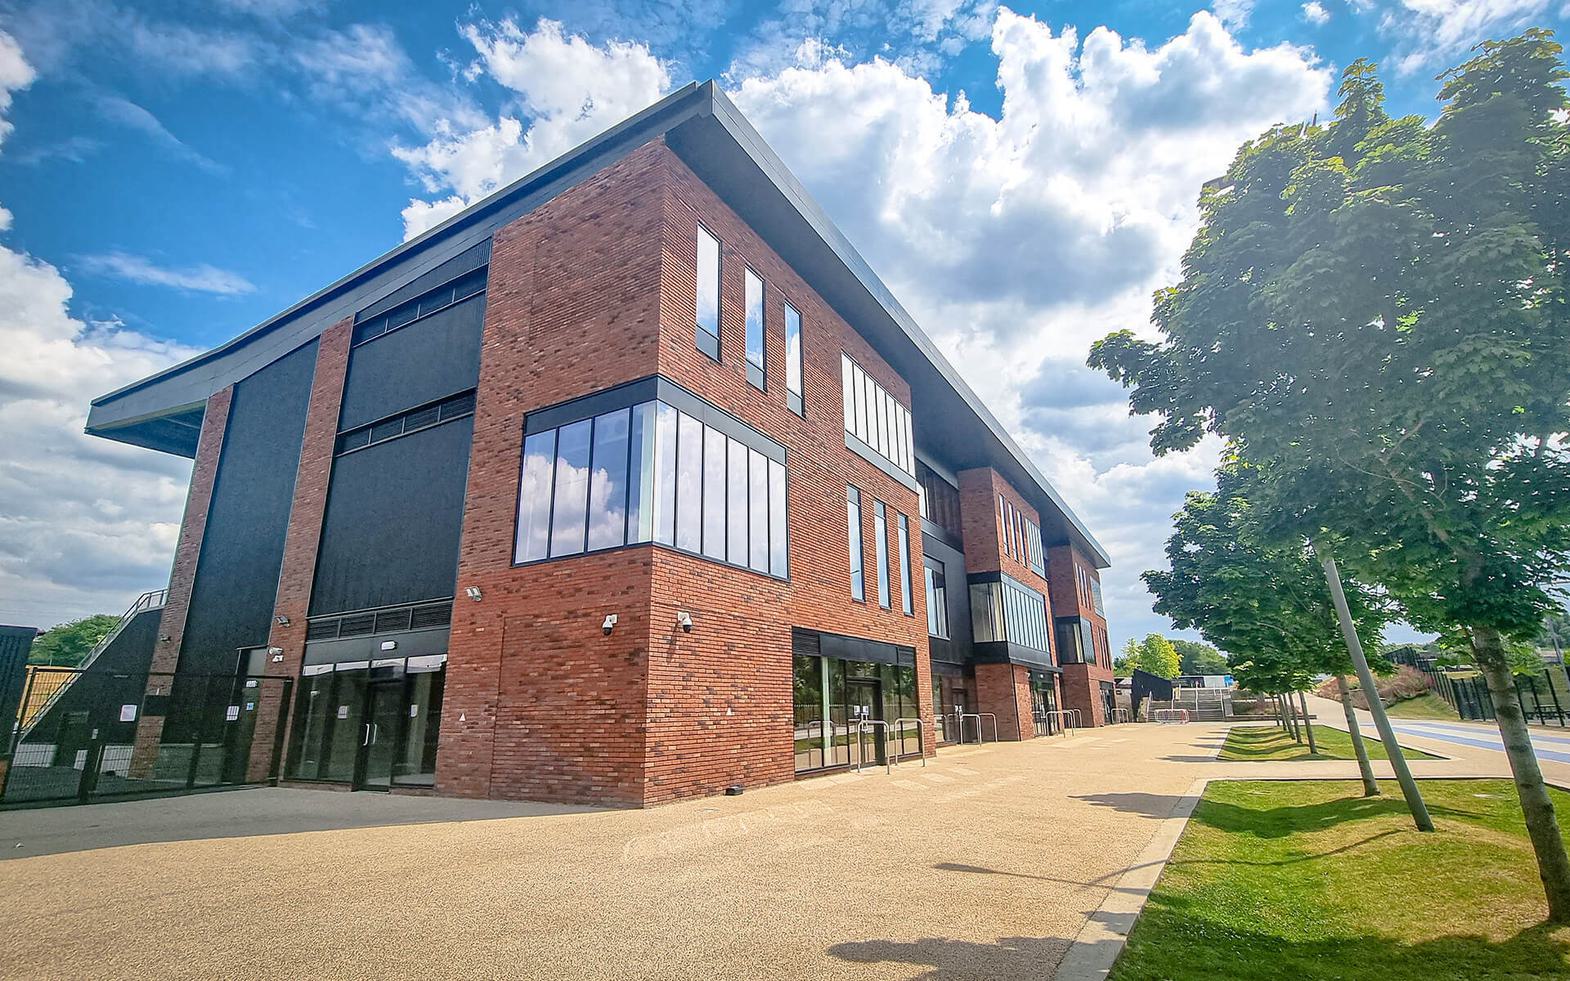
column 150, row 600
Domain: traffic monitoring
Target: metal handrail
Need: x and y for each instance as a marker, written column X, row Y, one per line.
column 1067, row 727
column 861, row 726
column 921, row 738
column 150, row 600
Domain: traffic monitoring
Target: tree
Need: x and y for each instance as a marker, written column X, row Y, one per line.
column 1265, row 602
column 1155, row 655
column 1199, row 658
column 68, row 644
column 1375, row 313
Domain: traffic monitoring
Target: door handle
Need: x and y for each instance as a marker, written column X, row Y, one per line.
column 367, row 740
column 376, row 732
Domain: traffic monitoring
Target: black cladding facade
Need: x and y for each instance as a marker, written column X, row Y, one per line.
column 394, row 516
column 236, row 581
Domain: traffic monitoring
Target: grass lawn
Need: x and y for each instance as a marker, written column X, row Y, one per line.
column 1272, row 743
column 1429, row 706
column 1308, row 880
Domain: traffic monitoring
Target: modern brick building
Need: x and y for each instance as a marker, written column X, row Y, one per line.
column 629, row 483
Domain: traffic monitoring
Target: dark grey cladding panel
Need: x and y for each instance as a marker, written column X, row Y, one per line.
column 394, row 517
column 470, row 259
column 958, row 592
column 410, row 643
column 242, row 546
column 1004, row 652
column 422, row 362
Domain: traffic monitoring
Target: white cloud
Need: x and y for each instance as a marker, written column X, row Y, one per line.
column 566, row 88
column 1430, row 34
column 87, row 523
column 200, row 278
column 129, row 114
column 1315, row 13
column 1234, row 14
column 1018, row 240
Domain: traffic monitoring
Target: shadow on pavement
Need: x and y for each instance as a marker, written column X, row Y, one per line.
column 1010, row 957
column 1150, row 805
column 238, row 814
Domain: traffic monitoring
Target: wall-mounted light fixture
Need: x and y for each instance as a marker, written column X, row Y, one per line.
column 684, row 621
column 281, row 620
column 473, row 592
column 609, row 624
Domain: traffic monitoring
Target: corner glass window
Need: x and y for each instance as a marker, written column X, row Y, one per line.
column 876, row 418
column 937, row 600
column 1005, row 609
column 708, row 307
column 651, row 473
column 756, row 361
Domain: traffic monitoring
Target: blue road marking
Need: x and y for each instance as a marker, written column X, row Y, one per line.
column 1486, row 742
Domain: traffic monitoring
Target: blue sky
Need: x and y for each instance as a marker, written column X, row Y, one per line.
column 1022, row 176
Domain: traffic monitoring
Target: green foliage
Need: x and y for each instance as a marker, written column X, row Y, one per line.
column 1155, row 655
column 1263, row 602
column 1373, row 315
column 69, row 644
column 1199, row 658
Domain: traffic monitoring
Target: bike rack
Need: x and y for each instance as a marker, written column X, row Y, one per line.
column 1067, row 726
column 981, row 736
column 863, row 725
column 921, row 739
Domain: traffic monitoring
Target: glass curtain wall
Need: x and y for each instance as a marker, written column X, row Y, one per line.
column 343, row 734
column 832, row 694
column 1043, row 702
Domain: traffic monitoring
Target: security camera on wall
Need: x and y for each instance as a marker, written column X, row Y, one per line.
column 609, row 624
column 684, row 621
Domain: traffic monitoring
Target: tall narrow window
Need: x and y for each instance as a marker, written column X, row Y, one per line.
column 937, row 600
column 568, row 511
column 755, row 359
column 665, row 474
column 905, row 600
column 714, row 493
column 848, row 393
column 534, row 519
column 640, row 509
column 708, row 312
column 689, row 484
column 736, row 508
column 858, row 581
column 758, row 511
column 880, row 544
column 793, row 397
column 608, row 482
column 777, row 558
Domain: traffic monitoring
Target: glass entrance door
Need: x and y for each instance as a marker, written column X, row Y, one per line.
column 865, row 700
column 379, row 736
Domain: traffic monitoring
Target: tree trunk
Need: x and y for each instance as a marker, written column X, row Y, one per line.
column 1376, row 708
column 1553, row 865
column 1370, row 785
column 1297, row 733
column 1308, row 726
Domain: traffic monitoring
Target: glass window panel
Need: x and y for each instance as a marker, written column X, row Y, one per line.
column 689, row 484
column 754, row 298
column 713, row 493
column 708, row 312
column 665, row 474
column 640, row 526
column 534, row 497
column 792, row 350
column 847, row 393
column 871, row 390
column 758, row 511
column 608, row 485
column 910, row 442
column 569, row 510
column 858, row 585
column 880, row 544
column 861, row 403
column 905, row 598
column 778, row 564
column 808, row 691
column 736, row 510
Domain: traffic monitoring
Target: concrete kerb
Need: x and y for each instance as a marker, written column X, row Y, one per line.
column 1099, row 942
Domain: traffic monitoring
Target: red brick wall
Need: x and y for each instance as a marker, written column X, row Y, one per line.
column 298, row 570
column 1001, row 689
column 595, row 289
column 1004, row 690
column 538, row 703
column 818, row 594
column 182, row 577
column 1081, row 682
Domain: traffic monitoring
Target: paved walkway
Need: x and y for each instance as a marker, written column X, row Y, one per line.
column 989, row 863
